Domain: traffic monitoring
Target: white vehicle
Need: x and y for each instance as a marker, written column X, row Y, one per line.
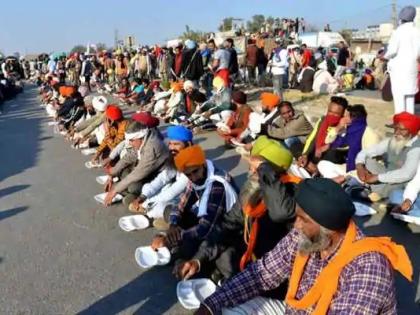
column 321, row 39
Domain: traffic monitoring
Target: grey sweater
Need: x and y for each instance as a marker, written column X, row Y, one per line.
column 153, row 155
column 401, row 168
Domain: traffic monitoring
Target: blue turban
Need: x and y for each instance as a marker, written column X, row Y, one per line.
column 408, row 14
column 179, row 133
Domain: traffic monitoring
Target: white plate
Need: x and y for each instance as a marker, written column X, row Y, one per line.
column 90, row 165
column 101, row 198
column 164, row 256
column 363, row 210
column 192, row 292
column 237, row 143
column 84, row 145
column 101, row 180
column 133, row 222
column 146, row 257
column 88, row 151
column 406, row 218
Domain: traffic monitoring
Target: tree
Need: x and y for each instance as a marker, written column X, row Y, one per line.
column 226, row 25
column 197, row 36
column 78, row 48
column 100, row 47
column 255, row 24
column 270, row 20
column 347, row 35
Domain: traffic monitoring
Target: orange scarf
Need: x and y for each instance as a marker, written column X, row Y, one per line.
column 255, row 213
column 325, row 286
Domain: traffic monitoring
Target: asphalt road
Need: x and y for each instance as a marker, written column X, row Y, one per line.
column 61, row 253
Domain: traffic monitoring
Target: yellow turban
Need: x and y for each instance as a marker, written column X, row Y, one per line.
column 190, row 156
column 270, row 100
column 273, row 152
column 218, row 83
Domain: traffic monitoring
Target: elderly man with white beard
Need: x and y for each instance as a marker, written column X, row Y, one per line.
column 400, row 154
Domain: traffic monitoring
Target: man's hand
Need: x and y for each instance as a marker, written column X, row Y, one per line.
column 371, row 179
column 108, row 198
column 108, row 184
column 319, row 152
column 95, row 158
column 187, row 269
column 404, row 207
column 344, row 122
column 174, row 235
column 202, row 311
column 106, row 162
column 207, row 114
column 362, row 172
column 302, row 160
column 158, row 242
column 248, row 146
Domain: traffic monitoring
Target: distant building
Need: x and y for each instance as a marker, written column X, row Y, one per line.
column 380, row 32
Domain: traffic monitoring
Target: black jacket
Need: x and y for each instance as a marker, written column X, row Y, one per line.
column 69, row 104
column 233, row 61
column 192, row 64
column 274, row 225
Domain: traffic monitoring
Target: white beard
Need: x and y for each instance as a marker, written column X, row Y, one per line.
column 397, row 144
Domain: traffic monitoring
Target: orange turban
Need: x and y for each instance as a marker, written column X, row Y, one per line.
column 113, row 112
column 409, row 121
column 270, row 100
column 66, row 91
column 190, row 156
column 177, row 86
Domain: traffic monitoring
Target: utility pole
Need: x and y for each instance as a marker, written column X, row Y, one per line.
column 116, row 38
column 394, row 13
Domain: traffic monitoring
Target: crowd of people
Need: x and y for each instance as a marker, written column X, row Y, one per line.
column 10, row 80
column 285, row 242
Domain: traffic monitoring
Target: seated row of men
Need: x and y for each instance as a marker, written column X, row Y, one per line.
column 280, row 237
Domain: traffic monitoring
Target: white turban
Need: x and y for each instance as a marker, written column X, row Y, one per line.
column 188, row 85
column 99, row 103
column 136, row 135
column 323, row 65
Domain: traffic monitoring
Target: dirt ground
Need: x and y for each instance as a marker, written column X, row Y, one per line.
column 379, row 111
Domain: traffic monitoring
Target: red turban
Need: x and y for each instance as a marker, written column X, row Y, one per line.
column 190, row 156
column 270, row 100
column 409, row 121
column 146, row 119
column 113, row 112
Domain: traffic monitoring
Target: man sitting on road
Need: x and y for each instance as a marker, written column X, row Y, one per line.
column 401, row 155
column 83, row 131
column 290, row 127
column 217, row 109
column 210, row 193
column 149, row 157
column 264, row 215
column 315, row 147
column 238, row 121
column 165, row 189
column 331, row 266
column 114, row 126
